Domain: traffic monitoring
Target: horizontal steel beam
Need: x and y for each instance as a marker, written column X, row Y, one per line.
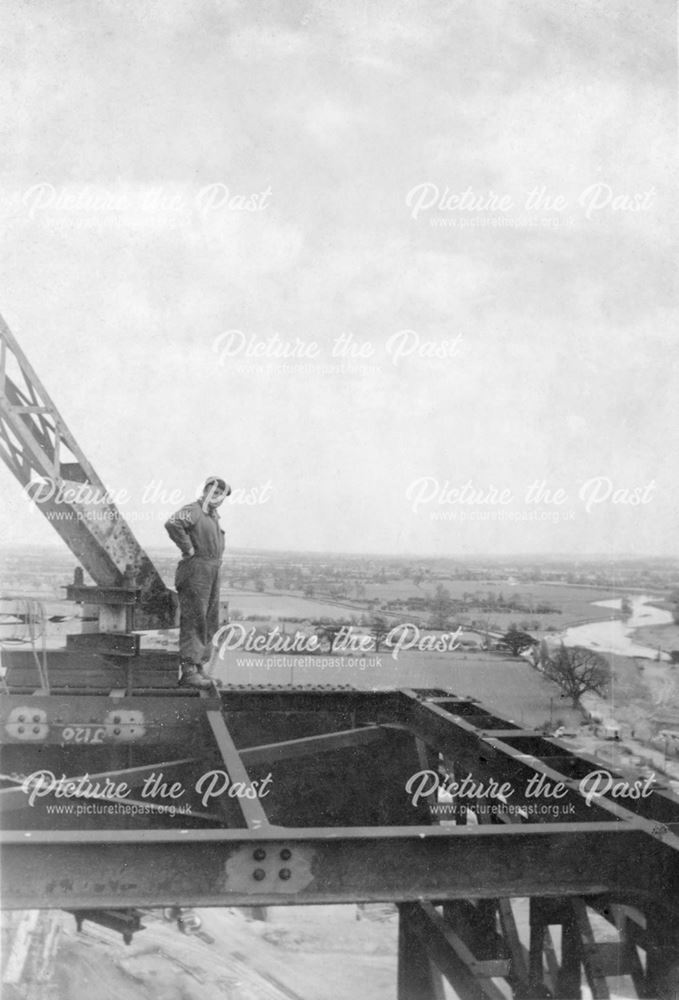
column 274, row 866
column 485, row 754
column 90, row 721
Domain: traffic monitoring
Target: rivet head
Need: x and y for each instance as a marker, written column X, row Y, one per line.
column 259, row 854
column 285, row 874
column 36, row 718
column 116, row 732
column 258, row 874
column 21, row 729
column 21, row 718
column 36, row 729
column 116, row 718
column 286, row 854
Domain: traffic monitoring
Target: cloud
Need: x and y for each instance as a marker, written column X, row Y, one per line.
column 341, row 109
column 259, row 43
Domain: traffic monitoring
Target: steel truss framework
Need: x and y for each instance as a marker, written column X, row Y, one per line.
column 488, row 899
column 45, row 457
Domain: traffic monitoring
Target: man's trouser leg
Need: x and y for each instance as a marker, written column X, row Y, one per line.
column 195, row 581
column 212, row 657
column 212, row 616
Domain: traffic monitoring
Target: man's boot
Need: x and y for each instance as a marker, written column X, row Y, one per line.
column 208, row 665
column 192, row 676
column 206, row 670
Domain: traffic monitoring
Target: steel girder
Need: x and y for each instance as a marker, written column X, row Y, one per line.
column 337, row 826
column 38, row 448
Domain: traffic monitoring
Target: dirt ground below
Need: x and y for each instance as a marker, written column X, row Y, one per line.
column 298, row 953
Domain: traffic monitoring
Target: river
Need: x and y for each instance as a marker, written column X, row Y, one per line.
column 615, row 636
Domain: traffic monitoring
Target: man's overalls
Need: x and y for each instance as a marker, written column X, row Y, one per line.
column 197, row 533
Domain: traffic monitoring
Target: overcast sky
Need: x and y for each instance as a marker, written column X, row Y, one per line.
column 180, row 180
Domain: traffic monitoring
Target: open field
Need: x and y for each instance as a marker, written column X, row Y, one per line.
column 278, row 605
column 576, row 603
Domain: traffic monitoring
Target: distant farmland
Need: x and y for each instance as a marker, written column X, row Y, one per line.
column 575, row 603
column 283, row 605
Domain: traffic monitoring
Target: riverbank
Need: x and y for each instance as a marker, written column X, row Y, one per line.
column 664, row 637
column 619, row 635
column 643, row 695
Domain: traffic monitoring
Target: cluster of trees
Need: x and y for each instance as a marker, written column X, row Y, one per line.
column 378, row 629
column 518, row 641
column 498, row 602
column 443, row 608
column 440, row 607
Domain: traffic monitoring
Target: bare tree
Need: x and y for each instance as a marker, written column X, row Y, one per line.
column 577, row 670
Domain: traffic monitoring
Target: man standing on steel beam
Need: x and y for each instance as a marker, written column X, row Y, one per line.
column 195, row 530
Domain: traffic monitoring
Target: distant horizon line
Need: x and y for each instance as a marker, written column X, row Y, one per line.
column 459, row 557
